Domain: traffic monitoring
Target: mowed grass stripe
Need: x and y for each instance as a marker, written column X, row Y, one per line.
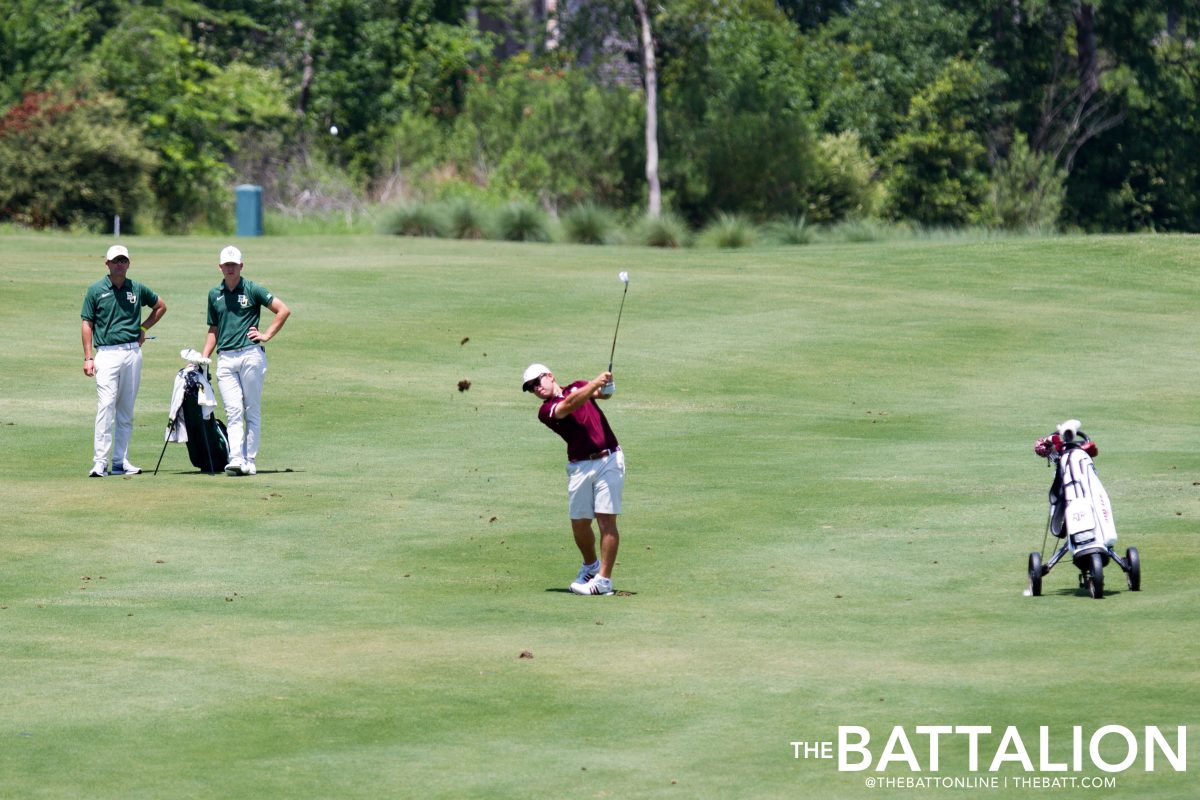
column 831, row 495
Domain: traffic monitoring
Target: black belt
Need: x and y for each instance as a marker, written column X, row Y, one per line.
column 594, row 456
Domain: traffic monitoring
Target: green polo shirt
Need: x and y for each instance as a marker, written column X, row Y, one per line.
column 116, row 314
column 235, row 312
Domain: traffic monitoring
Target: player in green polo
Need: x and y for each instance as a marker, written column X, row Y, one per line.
column 234, row 309
column 113, row 327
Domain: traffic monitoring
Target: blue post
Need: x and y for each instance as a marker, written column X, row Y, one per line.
column 249, row 210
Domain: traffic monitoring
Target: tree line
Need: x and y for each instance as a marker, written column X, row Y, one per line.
column 1004, row 113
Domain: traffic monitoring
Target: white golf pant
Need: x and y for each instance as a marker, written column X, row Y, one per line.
column 240, row 375
column 118, row 375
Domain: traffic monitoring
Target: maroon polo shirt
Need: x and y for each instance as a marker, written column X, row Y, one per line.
column 585, row 430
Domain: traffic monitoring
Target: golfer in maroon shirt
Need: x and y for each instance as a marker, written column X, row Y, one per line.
column 595, row 468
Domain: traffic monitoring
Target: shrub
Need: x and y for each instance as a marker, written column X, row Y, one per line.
column 936, row 166
column 466, row 219
column 545, row 132
column 191, row 111
column 844, row 184
column 730, row 231
column 667, row 230
column 522, row 222
column 67, row 159
column 589, row 224
column 294, row 222
column 1026, row 191
column 856, row 231
column 414, row 219
column 791, row 231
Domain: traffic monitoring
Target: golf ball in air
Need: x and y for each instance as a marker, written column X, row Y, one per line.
column 333, row 130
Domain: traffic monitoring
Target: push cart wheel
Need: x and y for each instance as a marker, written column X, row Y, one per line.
column 1035, row 574
column 1095, row 577
column 1134, row 576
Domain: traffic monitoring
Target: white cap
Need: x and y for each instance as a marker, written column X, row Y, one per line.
column 532, row 372
column 115, row 251
column 231, row 255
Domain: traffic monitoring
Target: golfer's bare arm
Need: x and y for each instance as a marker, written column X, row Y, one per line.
column 158, row 312
column 282, row 312
column 89, row 366
column 577, row 398
column 210, row 341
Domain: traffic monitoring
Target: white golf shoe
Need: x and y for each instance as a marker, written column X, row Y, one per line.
column 596, row 585
column 127, row 469
column 234, row 468
column 587, row 572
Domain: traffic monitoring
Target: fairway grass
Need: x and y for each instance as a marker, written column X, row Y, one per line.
column 830, row 499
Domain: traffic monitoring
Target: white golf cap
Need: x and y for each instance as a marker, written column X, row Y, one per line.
column 532, row 373
column 115, row 251
column 231, row 255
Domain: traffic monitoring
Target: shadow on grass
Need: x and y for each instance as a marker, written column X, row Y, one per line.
column 1079, row 591
column 223, row 475
column 618, row 593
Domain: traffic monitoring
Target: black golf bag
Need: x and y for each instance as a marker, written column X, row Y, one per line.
column 206, row 438
column 208, row 441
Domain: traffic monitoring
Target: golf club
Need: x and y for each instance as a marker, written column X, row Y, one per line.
column 610, row 387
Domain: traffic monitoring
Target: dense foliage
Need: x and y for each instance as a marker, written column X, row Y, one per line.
column 1006, row 113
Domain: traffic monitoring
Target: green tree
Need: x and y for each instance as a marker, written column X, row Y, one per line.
column 937, row 166
column 844, row 184
column 546, row 131
column 372, row 61
column 71, row 158
column 1026, row 190
column 190, row 108
column 735, row 122
column 863, row 68
column 1141, row 169
column 42, row 42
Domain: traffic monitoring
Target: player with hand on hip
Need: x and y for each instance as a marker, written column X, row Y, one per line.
column 113, row 327
column 234, row 311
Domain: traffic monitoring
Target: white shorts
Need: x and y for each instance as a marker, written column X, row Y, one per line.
column 595, row 486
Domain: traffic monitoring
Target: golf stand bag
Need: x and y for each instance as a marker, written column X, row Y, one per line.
column 1080, row 514
column 192, row 419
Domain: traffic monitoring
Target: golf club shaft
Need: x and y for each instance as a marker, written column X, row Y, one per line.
column 166, row 441
column 621, row 310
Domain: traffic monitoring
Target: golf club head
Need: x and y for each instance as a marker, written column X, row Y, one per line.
column 624, row 276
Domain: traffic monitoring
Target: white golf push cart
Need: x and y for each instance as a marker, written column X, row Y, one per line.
column 1080, row 514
